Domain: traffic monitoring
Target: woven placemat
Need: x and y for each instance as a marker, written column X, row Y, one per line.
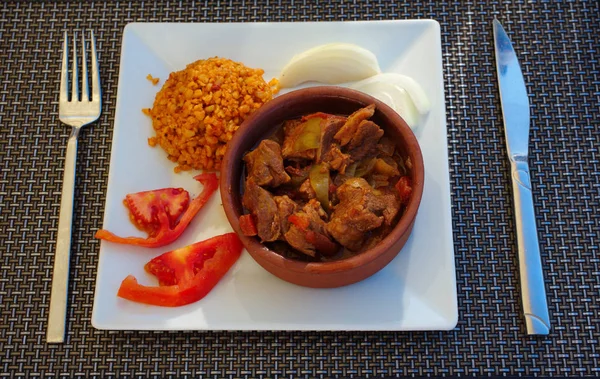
column 557, row 43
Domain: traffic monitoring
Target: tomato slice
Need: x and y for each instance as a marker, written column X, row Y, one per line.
column 404, row 187
column 248, row 225
column 301, row 222
column 143, row 207
column 156, row 212
column 187, row 274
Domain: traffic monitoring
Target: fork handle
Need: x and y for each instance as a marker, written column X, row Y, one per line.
column 60, row 278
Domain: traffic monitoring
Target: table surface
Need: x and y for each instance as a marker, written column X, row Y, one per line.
column 557, row 44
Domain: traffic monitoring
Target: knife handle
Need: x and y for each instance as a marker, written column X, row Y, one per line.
column 533, row 292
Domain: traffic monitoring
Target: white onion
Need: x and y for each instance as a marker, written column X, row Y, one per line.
column 333, row 63
column 402, row 93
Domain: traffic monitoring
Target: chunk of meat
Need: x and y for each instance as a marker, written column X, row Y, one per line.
column 337, row 160
column 298, row 174
column 264, row 209
column 378, row 180
column 296, row 237
column 298, row 171
column 329, row 127
column 350, row 228
column 316, row 212
column 386, row 200
column 386, row 146
column 360, row 210
column 364, row 141
column 307, row 232
column 293, row 130
column 265, row 164
column 286, row 207
column 306, row 191
column 339, row 179
column 348, row 130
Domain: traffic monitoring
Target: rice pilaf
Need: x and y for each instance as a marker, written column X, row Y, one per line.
column 198, row 110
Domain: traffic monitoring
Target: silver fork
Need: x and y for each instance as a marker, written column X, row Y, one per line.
column 75, row 113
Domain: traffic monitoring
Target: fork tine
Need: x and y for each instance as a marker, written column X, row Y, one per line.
column 74, row 76
column 95, row 72
column 85, row 94
column 64, row 71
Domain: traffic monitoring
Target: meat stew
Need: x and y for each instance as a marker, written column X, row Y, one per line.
column 325, row 187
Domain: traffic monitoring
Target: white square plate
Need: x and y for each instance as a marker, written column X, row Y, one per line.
column 416, row 291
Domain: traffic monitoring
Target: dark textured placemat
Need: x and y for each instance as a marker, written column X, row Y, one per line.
column 557, row 43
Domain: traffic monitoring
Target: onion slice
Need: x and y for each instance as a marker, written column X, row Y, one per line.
column 332, row 63
column 402, row 93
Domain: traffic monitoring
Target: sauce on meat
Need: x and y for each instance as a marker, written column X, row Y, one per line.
column 325, row 187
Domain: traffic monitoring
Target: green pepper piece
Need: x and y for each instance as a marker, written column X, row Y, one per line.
column 319, row 181
column 310, row 136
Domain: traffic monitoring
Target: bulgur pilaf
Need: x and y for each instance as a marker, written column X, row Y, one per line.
column 153, row 79
column 198, row 110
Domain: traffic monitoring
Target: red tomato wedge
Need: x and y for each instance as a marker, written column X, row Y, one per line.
column 156, row 212
column 143, row 207
column 248, row 225
column 404, row 187
column 187, row 274
column 301, row 222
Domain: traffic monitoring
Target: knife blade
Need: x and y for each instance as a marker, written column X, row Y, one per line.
column 515, row 112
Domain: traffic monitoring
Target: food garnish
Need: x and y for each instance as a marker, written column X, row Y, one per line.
column 338, row 63
column 144, row 205
column 402, row 93
column 332, row 63
column 164, row 214
column 187, row 274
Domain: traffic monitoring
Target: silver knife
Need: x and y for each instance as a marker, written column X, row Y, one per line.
column 515, row 112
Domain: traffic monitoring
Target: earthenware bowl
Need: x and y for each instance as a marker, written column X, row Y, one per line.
column 328, row 99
